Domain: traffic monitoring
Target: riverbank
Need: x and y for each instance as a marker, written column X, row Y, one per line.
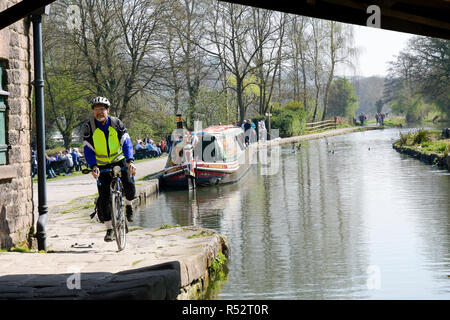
column 323, row 134
column 426, row 145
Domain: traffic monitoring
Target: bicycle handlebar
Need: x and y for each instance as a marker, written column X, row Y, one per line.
column 86, row 171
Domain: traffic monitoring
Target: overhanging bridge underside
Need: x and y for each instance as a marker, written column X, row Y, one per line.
column 421, row 17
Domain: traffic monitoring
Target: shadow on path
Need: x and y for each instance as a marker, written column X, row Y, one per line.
column 158, row 282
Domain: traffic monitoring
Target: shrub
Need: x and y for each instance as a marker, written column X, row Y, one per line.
column 447, row 150
column 403, row 139
column 289, row 120
column 421, row 136
column 282, row 120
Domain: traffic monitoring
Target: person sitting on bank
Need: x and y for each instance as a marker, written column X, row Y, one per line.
column 139, row 146
column 68, row 162
column 152, row 148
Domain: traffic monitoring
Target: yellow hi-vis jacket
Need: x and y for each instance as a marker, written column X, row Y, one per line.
column 109, row 150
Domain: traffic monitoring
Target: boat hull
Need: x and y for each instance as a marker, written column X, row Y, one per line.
column 203, row 177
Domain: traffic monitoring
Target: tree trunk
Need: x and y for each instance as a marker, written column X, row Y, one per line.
column 240, row 103
column 176, row 100
column 331, row 75
column 327, row 90
column 67, row 138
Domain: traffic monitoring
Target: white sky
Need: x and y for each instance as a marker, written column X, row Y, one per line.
column 377, row 47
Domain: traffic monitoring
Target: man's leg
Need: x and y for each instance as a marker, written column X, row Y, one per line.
column 129, row 189
column 105, row 203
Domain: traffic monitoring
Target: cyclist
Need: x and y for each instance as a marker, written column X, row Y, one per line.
column 107, row 144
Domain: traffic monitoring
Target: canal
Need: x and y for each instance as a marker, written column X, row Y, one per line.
column 346, row 217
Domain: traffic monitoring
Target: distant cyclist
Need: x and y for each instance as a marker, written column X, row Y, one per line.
column 107, row 144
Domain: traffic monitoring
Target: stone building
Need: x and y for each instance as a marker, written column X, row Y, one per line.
column 16, row 203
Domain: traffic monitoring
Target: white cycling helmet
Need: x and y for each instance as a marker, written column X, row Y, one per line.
column 100, row 100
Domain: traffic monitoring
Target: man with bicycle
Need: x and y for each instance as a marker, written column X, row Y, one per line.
column 107, row 144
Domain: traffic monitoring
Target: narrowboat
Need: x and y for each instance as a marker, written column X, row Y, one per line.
column 212, row 156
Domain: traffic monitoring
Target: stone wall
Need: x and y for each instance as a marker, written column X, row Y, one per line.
column 16, row 205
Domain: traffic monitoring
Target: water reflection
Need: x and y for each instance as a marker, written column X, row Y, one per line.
column 336, row 209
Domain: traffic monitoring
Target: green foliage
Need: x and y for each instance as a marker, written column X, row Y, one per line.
column 407, row 103
column 403, row 139
column 139, row 129
column 446, row 151
column 342, row 101
column 428, row 141
column 394, row 122
column 249, row 84
column 290, row 119
column 217, row 265
column 65, row 103
column 168, row 226
column 441, row 147
column 21, row 249
column 421, row 136
column 202, row 234
column 211, row 107
column 156, row 123
column 418, row 79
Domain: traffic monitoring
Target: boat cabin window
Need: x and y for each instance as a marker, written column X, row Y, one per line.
column 240, row 140
column 210, row 151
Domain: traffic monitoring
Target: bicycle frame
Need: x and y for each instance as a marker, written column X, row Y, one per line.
column 117, row 216
column 118, row 219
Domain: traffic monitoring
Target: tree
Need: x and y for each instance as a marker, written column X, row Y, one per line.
column 342, row 100
column 316, row 58
column 229, row 27
column 65, row 104
column 269, row 55
column 379, row 105
column 65, row 97
column 298, row 42
column 115, row 39
column 190, row 30
column 430, row 72
column 340, row 39
column 420, row 74
column 171, row 75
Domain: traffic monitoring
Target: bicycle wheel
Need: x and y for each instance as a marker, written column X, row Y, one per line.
column 118, row 220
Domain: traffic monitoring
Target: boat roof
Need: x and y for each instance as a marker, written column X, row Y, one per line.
column 219, row 130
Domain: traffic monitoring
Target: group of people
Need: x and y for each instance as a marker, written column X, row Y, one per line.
column 249, row 128
column 150, row 145
column 362, row 117
column 380, row 118
column 71, row 160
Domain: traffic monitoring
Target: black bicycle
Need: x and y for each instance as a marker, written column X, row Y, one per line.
column 118, row 219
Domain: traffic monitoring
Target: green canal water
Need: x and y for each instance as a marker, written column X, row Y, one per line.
column 358, row 223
